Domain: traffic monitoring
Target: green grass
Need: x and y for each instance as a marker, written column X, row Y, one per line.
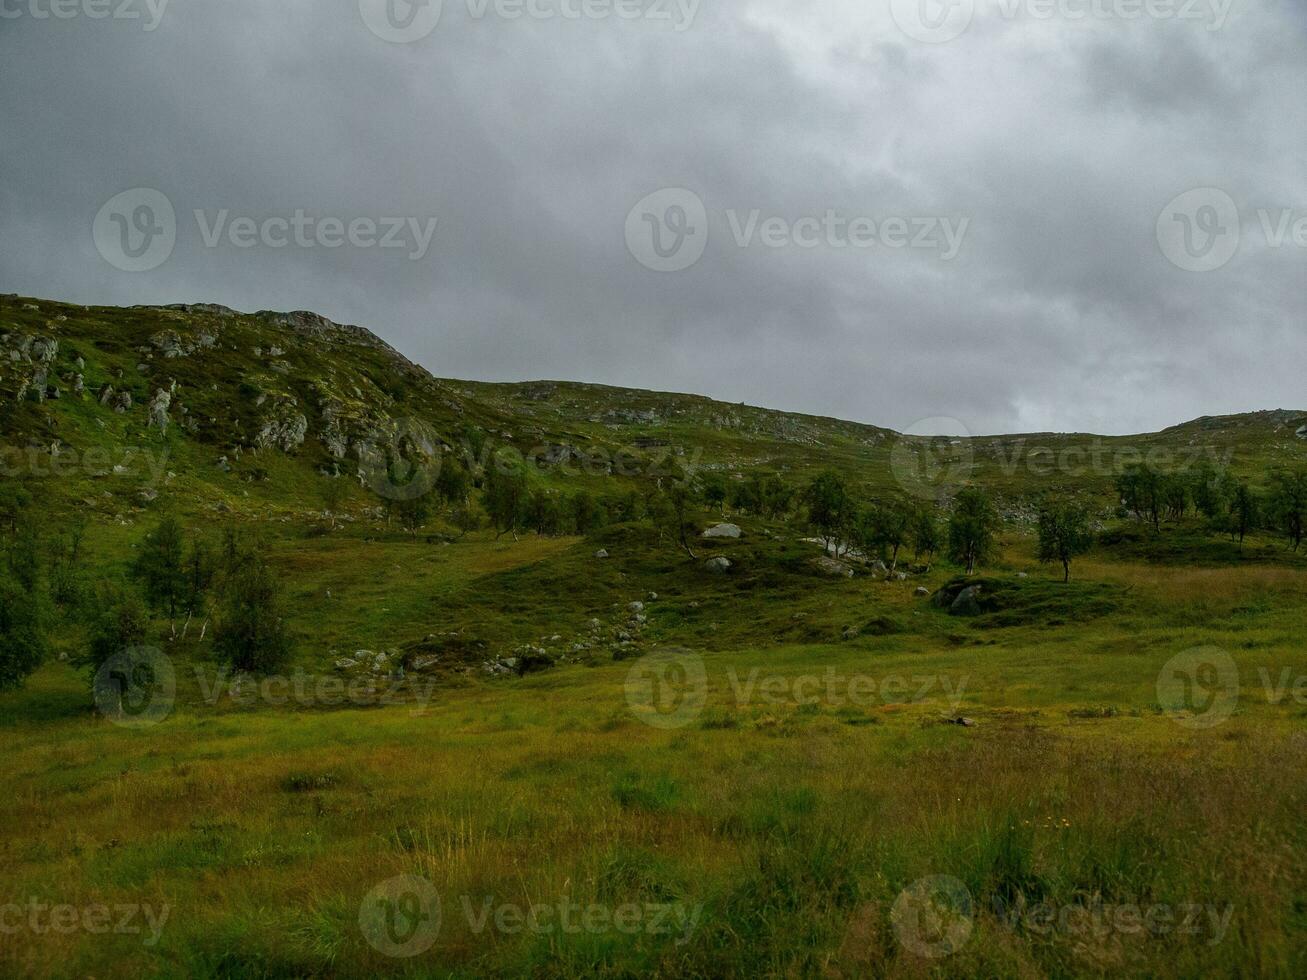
column 790, row 815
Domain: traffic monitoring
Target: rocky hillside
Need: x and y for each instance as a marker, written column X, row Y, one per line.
column 230, row 392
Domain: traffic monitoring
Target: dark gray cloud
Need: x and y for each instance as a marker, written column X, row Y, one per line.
column 1059, row 140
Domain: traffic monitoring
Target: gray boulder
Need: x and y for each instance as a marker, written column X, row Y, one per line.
column 723, row 531
column 831, row 567
column 967, row 603
column 718, row 565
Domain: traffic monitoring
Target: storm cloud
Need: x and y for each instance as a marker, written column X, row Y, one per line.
column 1123, row 184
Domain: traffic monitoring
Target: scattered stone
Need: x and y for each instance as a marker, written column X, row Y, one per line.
column 601, row 553
column 921, row 591
column 719, row 565
column 636, row 607
column 723, row 531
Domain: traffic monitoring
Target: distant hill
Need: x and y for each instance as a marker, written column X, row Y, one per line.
column 258, row 406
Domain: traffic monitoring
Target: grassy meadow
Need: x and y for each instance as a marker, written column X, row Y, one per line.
column 770, row 822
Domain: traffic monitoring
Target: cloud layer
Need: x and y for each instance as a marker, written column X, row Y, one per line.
column 1059, row 139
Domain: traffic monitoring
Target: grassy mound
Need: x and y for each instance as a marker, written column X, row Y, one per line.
column 1007, row 601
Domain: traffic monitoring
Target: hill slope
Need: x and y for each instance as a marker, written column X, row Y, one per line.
column 275, row 399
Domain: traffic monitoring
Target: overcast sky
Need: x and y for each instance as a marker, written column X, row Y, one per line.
column 985, row 227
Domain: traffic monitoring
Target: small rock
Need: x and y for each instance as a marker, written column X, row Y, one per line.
column 718, row 565
column 922, row 591
column 601, row 553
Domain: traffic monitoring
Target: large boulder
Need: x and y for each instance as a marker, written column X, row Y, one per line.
column 832, row 568
column 723, row 532
column 967, row 602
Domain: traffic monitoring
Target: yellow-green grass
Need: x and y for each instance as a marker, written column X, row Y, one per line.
column 795, row 827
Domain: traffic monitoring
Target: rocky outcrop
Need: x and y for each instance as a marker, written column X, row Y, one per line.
column 159, row 406
column 282, row 427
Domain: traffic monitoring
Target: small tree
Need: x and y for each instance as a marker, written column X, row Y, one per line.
column 1064, row 534
column 1245, row 511
column 158, row 567
column 714, row 492
column 453, row 484
column 1288, row 505
column 119, row 629
column 122, row 623
column 1212, row 489
column 22, row 638
column 830, row 508
column 200, row 569
column 971, row 529
column 674, row 505
column 892, row 523
column 1142, row 493
column 466, row 517
column 251, row 631
column 505, row 496
column 414, row 512
column 584, row 512
column 333, row 493
column 924, row 532
column 542, row 513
